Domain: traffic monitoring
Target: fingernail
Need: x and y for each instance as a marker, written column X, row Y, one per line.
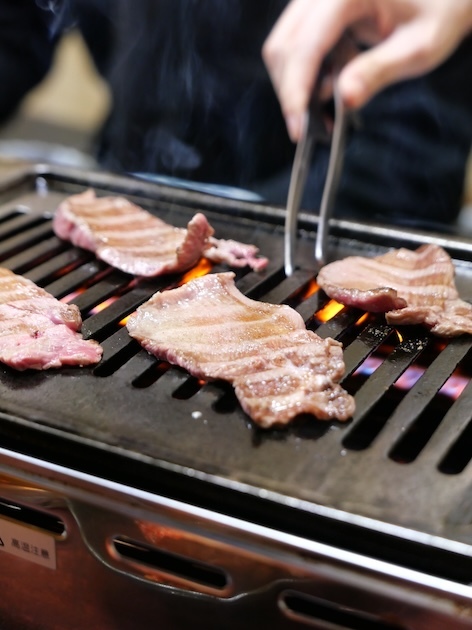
column 353, row 91
column 294, row 126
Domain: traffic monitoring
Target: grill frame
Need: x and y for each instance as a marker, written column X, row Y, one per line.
column 433, row 532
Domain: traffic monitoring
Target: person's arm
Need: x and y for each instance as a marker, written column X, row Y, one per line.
column 26, row 49
column 407, row 38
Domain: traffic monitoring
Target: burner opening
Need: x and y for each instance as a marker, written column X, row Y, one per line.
column 459, row 455
column 327, row 312
column 111, row 365
column 413, row 441
column 227, row 402
column 151, row 375
column 305, row 292
column 188, row 389
column 363, row 434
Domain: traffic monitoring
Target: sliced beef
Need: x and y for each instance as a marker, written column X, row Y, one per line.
column 234, row 254
column 410, row 287
column 135, row 241
column 278, row 368
column 37, row 331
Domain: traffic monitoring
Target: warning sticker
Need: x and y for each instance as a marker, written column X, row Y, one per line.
column 27, row 543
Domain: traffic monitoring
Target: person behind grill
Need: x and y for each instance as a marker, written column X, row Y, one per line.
column 193, row 99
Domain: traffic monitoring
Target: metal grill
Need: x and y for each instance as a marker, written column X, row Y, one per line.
column 402, row 461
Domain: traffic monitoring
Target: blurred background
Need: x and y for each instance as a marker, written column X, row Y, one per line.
column 58, row 120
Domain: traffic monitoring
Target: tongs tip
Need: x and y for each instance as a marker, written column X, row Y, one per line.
column 301, row 164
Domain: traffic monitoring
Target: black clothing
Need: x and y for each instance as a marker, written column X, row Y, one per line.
column 192, row 99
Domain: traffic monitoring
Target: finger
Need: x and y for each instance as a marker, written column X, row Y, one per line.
column 291, row 47
column 295, row 50
column 411, row 50
column 344, row 51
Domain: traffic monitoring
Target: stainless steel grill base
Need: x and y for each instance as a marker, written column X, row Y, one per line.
column 210, row 570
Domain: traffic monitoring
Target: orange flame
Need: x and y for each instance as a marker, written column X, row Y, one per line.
column 200, row 269
column 310, row 289
column 362, row 319
column 103, row 305
column 63, row 271
column 71, row 296
column 329, row 311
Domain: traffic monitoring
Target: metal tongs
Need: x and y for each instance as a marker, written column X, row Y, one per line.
column 314, row 129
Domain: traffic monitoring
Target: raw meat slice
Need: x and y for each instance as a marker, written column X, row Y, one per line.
column 278, row 368
column 135, row 241
column 37, row 331
column 410, row 287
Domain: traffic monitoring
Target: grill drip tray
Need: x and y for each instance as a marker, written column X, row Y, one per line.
column 402, row 462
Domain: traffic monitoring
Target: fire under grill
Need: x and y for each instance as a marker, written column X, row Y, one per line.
column 403, row 462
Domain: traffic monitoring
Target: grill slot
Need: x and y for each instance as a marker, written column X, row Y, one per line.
column 101, row 325
column 35, row 255
column 371, row 337
column 340, row 324
column 379, row 381
column 77, row 278
column 117, row 350
column 13, row 214
column 312, row 305
column 37, row 230
column 137, row 369
column 455, row 421
column 115, row 283
column 151, row 374
column 288, row 289
column 189, row 388
column 433, row 378
column 18, row 223
column 60, row 266
column 459, row 455
column 413, row 441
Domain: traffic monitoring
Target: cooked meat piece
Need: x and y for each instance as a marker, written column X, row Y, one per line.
column 411, row 287
column 234, row 254
column 37, row 331
column 135, row 241
column 278, row 368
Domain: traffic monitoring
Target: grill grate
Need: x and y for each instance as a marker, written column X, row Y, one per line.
column 403, row 458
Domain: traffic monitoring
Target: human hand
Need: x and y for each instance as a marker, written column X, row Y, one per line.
column 406, row 37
